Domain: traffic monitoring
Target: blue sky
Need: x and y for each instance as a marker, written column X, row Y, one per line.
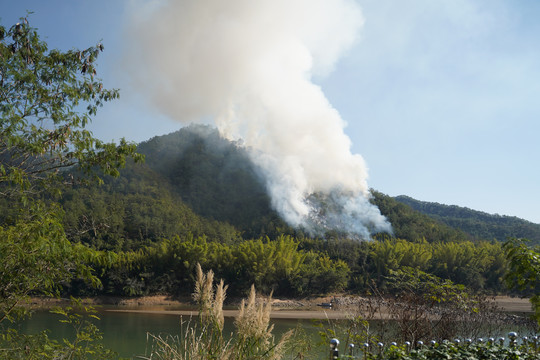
column 440, row 97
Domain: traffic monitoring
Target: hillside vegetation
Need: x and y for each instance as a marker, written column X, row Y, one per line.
column 477, row 224
column 194, row 181
column 199, row 199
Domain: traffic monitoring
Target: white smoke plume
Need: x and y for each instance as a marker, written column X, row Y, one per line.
column 248, row 66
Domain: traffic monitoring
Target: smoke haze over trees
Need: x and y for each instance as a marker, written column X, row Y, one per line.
column 239, row 67
column 199, row 198
column 196, row 182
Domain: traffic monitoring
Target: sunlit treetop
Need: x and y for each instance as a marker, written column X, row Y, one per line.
column 47, row 98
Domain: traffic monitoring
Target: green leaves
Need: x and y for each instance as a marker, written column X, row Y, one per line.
column 37, row 259
column 524, row 265
column 272, row 265
column 43, row 139
column 524, row 271
column 42, row 126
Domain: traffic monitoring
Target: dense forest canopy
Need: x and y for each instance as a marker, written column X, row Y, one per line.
column 194, row 181
column 199, row 198
column 214, row 176
column 477, row 224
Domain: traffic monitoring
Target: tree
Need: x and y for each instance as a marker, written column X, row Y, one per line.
column 46, row 100
column 524, row 273
column 42, row 94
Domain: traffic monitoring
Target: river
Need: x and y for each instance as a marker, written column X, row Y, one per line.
column 125, row 332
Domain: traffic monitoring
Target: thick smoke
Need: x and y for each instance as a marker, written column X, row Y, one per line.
column 247, row 65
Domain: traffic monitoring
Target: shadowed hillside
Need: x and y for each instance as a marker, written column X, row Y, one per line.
column 214, row 176
column 193, row 182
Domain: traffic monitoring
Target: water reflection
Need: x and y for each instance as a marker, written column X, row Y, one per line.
column 126, row 332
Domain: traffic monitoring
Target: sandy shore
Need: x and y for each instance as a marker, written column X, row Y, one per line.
column 309, row 310
column 275, row 314
column 282, row 308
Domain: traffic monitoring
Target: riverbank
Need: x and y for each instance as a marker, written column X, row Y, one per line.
column 307, row 308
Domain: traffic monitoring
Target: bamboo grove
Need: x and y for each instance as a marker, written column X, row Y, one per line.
column 292, row 267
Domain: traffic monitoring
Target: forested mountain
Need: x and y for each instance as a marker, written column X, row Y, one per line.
column 134, row 210
column 413, row 225
column 192, row 182
column 215, row 177
column 478, row 224
column 195, row 182
column 198, row 198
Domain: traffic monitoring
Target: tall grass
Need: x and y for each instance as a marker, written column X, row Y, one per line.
column 204, row 339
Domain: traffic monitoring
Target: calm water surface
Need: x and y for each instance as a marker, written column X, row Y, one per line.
column 126, row 333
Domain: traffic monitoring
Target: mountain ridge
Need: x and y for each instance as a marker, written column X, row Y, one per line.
column 195, row 181
column 479, row 224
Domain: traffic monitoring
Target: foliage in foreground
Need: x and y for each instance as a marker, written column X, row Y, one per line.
column 421, row 309
column 43, row 136
column 45, row 147
column 488, row 350
column 86, row 343
column 427, row 306
column 524, row 272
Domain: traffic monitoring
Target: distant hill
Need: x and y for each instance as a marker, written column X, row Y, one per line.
column 196, row 182
column 410, row 224
column 478, row 224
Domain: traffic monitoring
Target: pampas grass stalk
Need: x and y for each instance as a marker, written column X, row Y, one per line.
column 253, row 338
